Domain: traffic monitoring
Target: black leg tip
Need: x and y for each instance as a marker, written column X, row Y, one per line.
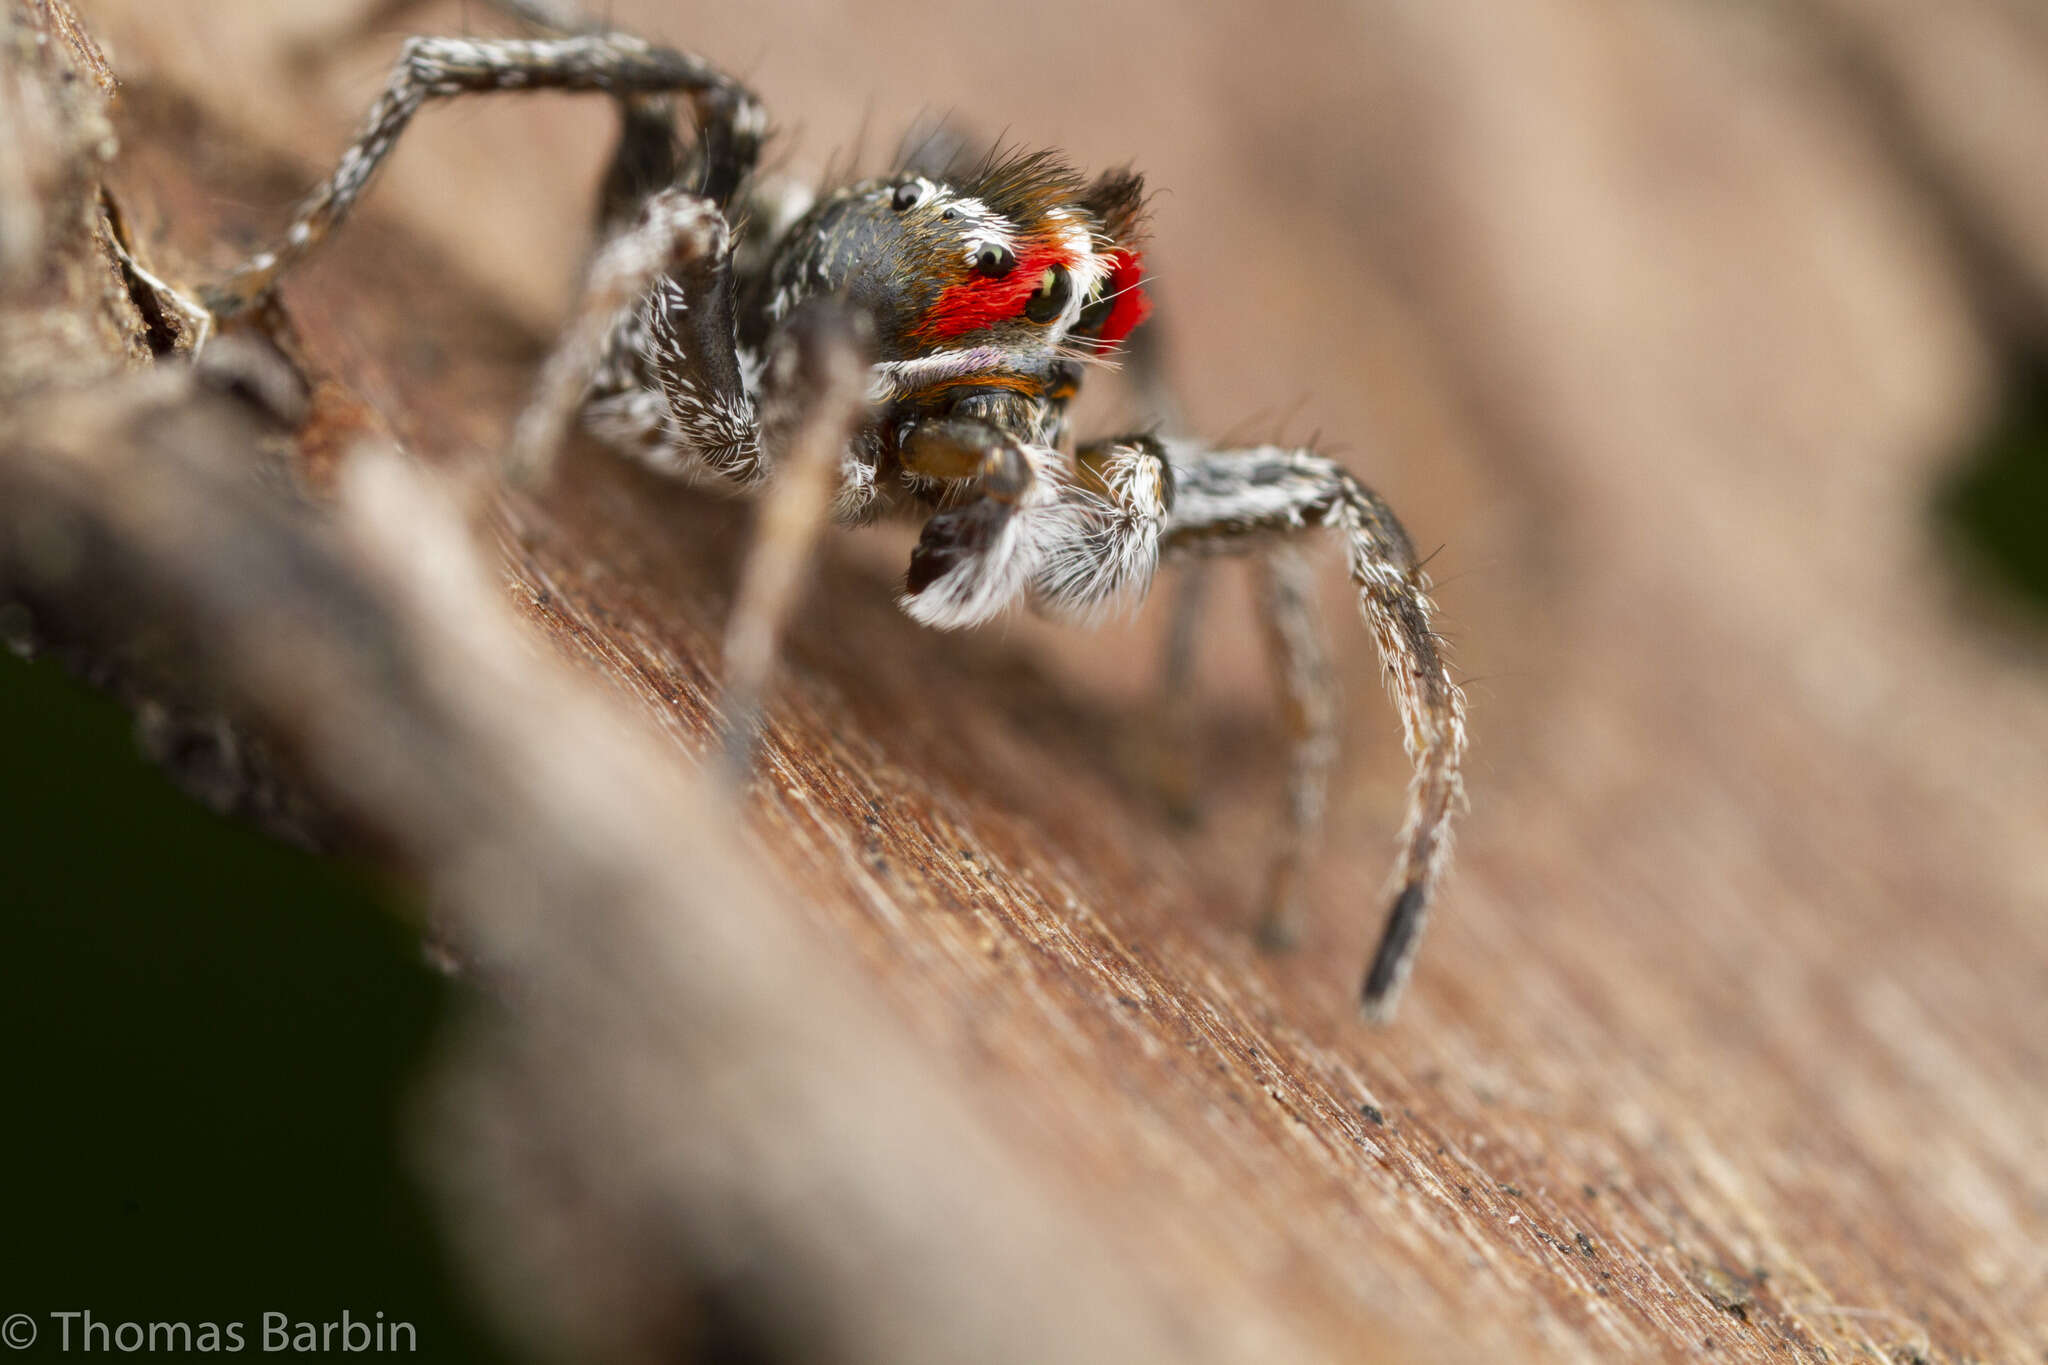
column 1381, row 990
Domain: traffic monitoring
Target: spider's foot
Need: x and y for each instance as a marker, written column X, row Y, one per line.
column 1280, row 924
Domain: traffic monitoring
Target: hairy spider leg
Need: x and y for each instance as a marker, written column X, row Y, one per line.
column 655, row 316
column 657, row 313
column 731, row 121
column 1308, row 708
column 648, row 157
column 1242, row 499
column 813, row 399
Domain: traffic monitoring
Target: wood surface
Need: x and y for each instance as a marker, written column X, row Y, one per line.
column 1730, row 1039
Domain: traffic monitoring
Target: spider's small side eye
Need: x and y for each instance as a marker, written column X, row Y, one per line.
column 1049, row 300
column 995, row 261
column 908, row 196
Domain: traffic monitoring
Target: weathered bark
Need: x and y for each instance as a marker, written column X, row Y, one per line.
column 1731, row 1030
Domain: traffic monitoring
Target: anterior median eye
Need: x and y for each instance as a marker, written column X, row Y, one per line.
column 994, row 261
column 1049, row 300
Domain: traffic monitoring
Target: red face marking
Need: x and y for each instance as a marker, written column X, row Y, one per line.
column 979, row 302
column 1129, row 305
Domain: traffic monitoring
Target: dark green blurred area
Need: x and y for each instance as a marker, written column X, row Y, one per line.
column 207, row 1044
column 1997, row 503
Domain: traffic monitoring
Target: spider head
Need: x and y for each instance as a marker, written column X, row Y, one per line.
column 1018, row 263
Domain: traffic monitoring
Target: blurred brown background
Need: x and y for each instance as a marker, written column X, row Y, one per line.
column 1670, row 324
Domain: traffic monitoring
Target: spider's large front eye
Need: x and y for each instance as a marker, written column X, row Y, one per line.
column 1049, row 300
column 994, row 261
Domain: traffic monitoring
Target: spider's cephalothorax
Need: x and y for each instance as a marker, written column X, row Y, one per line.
column 909, row 344
column 987, row 293
column 1021, row 256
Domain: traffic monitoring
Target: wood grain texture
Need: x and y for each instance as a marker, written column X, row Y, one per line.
column 1731, row 1040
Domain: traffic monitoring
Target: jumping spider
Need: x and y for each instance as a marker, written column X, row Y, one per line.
column 908, row 345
